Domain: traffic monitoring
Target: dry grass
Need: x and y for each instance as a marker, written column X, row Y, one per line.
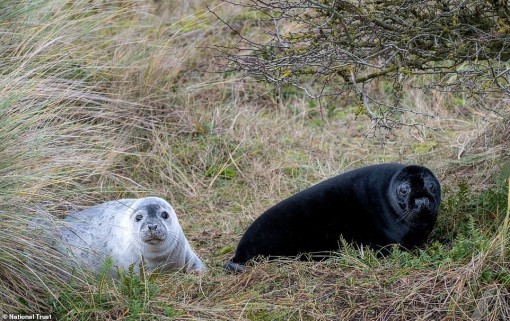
column 108, row 100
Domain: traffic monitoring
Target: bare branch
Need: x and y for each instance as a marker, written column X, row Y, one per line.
column 337, row 46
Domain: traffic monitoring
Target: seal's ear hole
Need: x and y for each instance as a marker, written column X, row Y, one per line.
column 164, row 215
column 431, row 186
column 138, row 217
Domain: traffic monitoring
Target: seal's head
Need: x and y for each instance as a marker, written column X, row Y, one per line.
column 154, row 221
column 417, row 195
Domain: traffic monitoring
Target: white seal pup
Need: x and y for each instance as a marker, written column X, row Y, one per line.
column 129, row 230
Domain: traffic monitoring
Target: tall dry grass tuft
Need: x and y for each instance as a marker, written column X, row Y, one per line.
column 47, row 153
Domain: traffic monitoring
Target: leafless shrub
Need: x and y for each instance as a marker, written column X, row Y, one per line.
column 334, row 48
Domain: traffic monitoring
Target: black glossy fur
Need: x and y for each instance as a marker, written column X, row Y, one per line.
column 356, row 206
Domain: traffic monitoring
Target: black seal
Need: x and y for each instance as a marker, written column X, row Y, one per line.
column 374, row 206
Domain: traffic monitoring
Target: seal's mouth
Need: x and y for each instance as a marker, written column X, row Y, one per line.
column 421, row 216
column 154, row 239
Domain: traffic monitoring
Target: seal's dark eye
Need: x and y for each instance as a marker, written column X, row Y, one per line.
column 138, row 217
column 403, row 190
column 164, row 215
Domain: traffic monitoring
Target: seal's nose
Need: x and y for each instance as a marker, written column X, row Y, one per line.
column 422, row 202
column 152, row 227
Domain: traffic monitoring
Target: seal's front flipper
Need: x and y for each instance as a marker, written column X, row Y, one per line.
column 194, row 263
column 234, row 267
